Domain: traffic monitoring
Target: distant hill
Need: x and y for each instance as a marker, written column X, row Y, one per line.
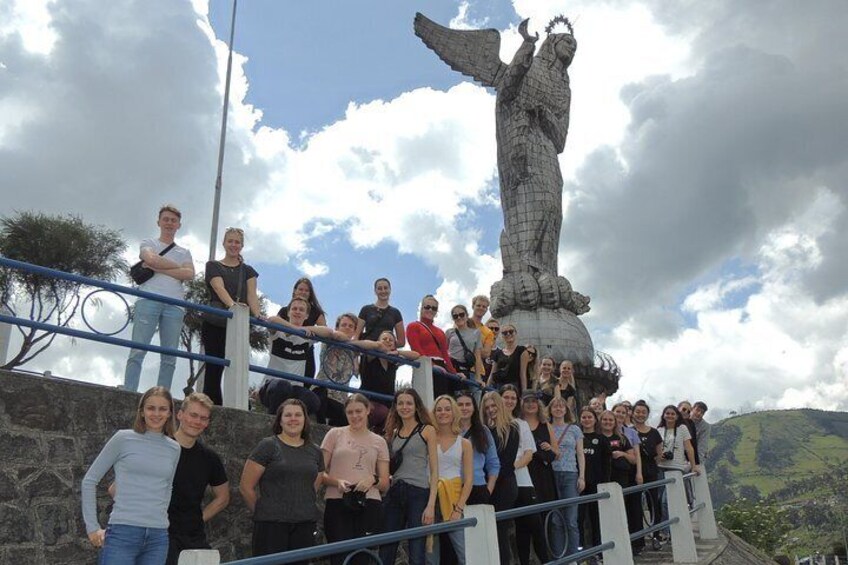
column 797, row 459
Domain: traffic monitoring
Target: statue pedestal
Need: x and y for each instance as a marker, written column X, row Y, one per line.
column 558, row 333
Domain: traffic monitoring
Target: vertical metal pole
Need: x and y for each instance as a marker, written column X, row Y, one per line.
column 213, row 238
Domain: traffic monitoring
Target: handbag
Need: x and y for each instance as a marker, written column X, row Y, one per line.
column 141, row 274
column 354, row 500
column 396, row 459
column 470, row 358
column 216, row 319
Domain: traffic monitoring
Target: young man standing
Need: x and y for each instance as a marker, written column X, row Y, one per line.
column 702, row 428
column 479, row 307
column 169, row 271
column 198, row 468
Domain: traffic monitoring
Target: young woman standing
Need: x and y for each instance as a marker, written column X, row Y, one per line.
column 456, row 475
column 411, row 499
column 356, row 463
column 596, row 453
column 465, row 345
column 380, row 316
column 144, row 459
column 510, row 362
column 507, row 437
column 229, row 281
column 487, row 466
column 569, row 471
column 287, row 469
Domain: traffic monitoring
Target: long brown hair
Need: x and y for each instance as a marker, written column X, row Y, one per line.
column 139, row 424
column 277, row 427
column 394, row 422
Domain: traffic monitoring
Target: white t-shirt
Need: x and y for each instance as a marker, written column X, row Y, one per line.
column 161, row 283
column 525, row 441
column 673, row 440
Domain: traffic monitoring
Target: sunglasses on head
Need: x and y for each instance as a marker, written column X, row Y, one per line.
column 431, row 308
column 458, row 315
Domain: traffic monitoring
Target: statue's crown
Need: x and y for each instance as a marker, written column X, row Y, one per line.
column 559, row 20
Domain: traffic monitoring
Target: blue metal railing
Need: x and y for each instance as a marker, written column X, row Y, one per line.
column 657, row 526
column 460, row 379
column 356, row 544
column 324, row 384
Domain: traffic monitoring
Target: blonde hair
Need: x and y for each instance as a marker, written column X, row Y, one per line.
column 455, row 427
column 199, row 398
column 140, row 426
column 172, row 209
column 503, row 420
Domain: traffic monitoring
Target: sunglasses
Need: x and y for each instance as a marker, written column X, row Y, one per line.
column 494, row 329
column 430, row 308
column 508, row 332
column 458, row 315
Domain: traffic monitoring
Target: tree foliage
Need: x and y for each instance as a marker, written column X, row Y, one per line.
column 64, row 243
column 760, row 524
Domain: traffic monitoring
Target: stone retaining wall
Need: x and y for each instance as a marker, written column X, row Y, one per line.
column 52, row 429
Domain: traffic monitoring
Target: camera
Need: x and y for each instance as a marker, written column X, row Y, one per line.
column 668, row 455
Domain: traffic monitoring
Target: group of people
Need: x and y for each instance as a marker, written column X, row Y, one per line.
column 384, row 465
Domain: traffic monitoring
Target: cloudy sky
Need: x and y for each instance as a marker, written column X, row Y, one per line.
column 705, row 169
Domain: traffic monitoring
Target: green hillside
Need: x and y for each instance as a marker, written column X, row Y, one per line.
column 797, row 459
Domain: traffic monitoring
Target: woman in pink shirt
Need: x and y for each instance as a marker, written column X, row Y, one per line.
column 356, row 463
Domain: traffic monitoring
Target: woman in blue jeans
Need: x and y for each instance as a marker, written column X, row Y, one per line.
column 144, row 459
column 411, row 499
column 569, row 473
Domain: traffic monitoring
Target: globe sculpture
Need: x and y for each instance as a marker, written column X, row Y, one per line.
column 532, row 105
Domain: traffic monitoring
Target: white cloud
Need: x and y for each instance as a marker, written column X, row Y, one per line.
column 313, row 270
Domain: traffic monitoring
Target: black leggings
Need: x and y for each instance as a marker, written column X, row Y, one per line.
column 341, row 523
column 503, row 498
column 589, row 520
column 274, row 537
column 529, row 529
column 214, row 341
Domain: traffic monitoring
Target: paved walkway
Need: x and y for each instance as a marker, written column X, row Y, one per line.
column 726, row 550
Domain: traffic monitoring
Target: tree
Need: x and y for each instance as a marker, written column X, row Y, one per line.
column 64, row 243
column 760, row 524
column 197, row 291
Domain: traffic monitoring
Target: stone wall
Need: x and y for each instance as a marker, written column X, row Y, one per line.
column 52, row 429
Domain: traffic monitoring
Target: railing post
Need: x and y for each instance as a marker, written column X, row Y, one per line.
column 682, row 537
column 614, row 525
column 481, row 547
column 238, row 352
column 422, row 380
column 199, row 557
column 706, row 517
column 5, row 336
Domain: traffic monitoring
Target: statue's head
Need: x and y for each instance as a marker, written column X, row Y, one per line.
column 559, row 46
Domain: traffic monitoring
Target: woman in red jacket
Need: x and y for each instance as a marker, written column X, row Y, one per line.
column 426, row 338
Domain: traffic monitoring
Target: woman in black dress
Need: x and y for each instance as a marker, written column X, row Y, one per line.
column 596, row 452
column 509, row 364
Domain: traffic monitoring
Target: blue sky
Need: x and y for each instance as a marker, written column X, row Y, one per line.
column 704, row 187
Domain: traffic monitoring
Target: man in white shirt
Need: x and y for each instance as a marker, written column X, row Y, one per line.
column 170, row 270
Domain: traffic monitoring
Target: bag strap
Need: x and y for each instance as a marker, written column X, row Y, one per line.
column 415, row 431
column 562, row 435
column 167, row 249
column 429, row 331
column 462, row 341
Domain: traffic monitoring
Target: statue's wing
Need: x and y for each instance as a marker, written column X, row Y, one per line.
column 475, row 53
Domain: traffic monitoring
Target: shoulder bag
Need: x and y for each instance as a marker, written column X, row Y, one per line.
column 141, row 274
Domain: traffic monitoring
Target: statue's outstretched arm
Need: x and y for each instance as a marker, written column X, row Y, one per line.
column 521, row 61
column 475, row 53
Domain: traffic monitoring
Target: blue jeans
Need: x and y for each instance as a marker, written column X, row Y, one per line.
column 149, row 315
column 403, row 506
column 134, row 545
column 566, row 485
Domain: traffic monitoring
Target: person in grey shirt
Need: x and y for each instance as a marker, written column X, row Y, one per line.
column 702, row 429
column 144, row 459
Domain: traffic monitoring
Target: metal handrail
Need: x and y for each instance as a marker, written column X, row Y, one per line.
column 654, row 528
column 45, row 271
column 460, row 378
column 647, row 486
column 335, row 343
column 584, row 554
column 12, row 320
column 355, row 544
column 552, row 505
column 700, row 506
column 324, row 384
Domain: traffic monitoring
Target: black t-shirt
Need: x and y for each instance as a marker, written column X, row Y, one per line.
column 378, row 320
column 506, row 369
column 507, row 452
column 230, row 276
column 596, row 450
column 648, row 443
column 375, row 377
column 621, row 469
column 197, row 468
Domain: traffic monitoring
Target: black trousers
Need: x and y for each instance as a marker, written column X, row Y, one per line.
column 274, row 537
column 529, row 529
column 341, row 523
column 589, row 520
column 214, row 341
column 503, row 498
